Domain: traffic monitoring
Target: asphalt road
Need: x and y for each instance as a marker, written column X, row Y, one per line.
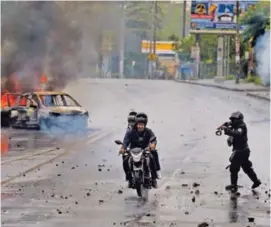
column 85, row 185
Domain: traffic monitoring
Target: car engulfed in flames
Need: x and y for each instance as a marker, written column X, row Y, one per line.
column 44, row 110
column 39, row 108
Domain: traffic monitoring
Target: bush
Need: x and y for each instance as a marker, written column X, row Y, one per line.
column 230, row 77
column 254, row 79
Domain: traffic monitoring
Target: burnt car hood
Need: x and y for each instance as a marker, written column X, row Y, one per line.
column 69, row 110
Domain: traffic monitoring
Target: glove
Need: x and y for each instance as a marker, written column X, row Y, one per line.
column 122, row 150
column 152, row 146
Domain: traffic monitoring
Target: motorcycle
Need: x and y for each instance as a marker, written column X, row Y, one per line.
column 139, row 166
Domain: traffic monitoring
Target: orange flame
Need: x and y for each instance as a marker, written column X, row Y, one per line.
column 14, row 85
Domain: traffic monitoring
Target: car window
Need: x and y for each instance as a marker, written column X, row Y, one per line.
column 48, row 100
column 69, row 101
column 59, row 101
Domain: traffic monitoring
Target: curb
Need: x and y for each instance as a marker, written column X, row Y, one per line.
column 222, row 87
column 258, row 97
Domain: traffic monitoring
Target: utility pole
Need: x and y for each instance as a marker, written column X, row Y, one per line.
column 237, row 44
column 122, row 39
column 184, row 18
column 154, row 33
column 151, row 41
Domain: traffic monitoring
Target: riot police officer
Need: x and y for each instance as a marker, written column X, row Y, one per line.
column 236, row 129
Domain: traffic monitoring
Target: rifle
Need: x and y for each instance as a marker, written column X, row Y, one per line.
column 221, row 127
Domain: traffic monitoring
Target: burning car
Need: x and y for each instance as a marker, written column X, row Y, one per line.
column 42, row 110
column 8, row 101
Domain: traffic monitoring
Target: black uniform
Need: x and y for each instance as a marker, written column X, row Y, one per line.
column 133, row 139
column 240, row 157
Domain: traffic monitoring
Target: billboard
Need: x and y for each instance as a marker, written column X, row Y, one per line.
column 217, row 15
column 161, row 46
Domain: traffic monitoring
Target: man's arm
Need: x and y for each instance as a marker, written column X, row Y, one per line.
column 239, row 132
column 154, row 143
column 127, row 139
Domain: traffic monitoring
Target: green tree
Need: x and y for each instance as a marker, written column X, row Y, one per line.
column 257, row 21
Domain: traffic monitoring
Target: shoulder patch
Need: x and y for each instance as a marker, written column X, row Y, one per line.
column 240, row 130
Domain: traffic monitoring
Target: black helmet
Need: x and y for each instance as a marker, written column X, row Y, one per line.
column 142, row 118
column 132, row 117
column 237, row 117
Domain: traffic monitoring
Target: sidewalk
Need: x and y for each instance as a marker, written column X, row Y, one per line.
column 253, row 90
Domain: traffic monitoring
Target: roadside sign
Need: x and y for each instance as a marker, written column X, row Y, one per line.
column 152, row 57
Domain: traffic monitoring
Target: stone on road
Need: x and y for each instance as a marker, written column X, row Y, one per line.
column 86, row 187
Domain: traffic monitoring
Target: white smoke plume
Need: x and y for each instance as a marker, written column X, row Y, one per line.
column 262, row 52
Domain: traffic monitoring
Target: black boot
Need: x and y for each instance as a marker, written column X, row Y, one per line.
column 256, row 184
column 128, row 178
column 154, row 183
column 233, row 186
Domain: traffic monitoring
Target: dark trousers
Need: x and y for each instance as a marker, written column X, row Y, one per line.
column 127, row 170
column 156, row 158
column 240, row 159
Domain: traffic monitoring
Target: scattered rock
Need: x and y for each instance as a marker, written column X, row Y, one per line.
column 88, row 194
column 197, row 192
column 108, row 170
column 99, row 169
column 182, row 172
column 196, row 184
column 114, row 223
column 56, row 164
column 148, row 215
column 77, row 166
column 101, row 201
column 120, row 191
column 203, row 224
column 53, row 195
column 57, row 148
column 250, row 219
column 193, row 199
column 42, row 191
column 59, row 175
column 238, row 194
column 86, row 164
column 59, row 211
column 66, row 197
column 62, row 162
column 73, row 167
column 61, row 197
column 23, row 175
column 76, row 202
column 268, row 211
column 184, row 185
column 191, row 192
column 186, row 212
column 215, row 192
column 167, row 187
